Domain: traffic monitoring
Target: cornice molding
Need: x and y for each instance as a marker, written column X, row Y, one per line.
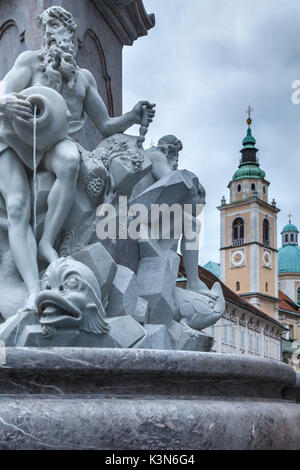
column 128, row 19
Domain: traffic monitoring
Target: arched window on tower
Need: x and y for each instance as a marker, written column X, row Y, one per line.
column 266, row 232
column 238, row 231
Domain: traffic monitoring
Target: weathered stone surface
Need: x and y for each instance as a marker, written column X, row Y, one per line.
column 124, row 252
column 185, row 338
column 124, row 332
column 171, row 189
column 157, row 279
column 97, row 258
column 157, row 337
column 149, row 248
column 293, row 393
column 13, row 326
column 123, row 293
column 61, row 398
column 141, row 311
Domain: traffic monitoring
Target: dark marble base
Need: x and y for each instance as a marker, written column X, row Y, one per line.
column 81, row 398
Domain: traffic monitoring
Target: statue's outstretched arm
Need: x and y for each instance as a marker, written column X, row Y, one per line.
column 96, row 110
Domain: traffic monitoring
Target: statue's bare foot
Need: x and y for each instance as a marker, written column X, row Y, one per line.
column 47, row 252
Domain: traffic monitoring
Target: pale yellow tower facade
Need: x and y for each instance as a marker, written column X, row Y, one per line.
column 248, row 248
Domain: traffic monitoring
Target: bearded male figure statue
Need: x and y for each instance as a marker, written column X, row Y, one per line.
column 53, row 66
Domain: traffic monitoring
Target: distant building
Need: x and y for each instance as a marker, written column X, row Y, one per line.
column 248, row 268
column 243, row 329
column 248, row 245
column 289, row 285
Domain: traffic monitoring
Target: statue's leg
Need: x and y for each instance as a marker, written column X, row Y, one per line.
column 63, row 161
column 190, row 252
column 190, row 262
column 15, row 189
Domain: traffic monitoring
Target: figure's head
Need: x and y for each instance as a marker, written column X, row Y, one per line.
column 58, row 53
column 58, row 25
column 173, row 146
column 71, row 298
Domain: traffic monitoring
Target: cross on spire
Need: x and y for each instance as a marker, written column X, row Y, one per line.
column 290, row 218
column 249, row 111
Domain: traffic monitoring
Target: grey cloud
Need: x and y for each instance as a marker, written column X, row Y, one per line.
column 204, row 62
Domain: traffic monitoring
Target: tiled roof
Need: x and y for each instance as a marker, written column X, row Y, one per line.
column 287, row 304
column 209, row 279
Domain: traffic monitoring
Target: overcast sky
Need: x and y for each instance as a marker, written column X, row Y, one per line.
column 202, row 64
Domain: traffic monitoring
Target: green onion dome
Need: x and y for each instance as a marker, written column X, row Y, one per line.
column 248, row 171
column 289, row 259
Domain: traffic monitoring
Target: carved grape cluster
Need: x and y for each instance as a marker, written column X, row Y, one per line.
column 95, row 184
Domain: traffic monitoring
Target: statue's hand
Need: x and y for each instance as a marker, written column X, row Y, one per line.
column 139, row 116
column 14, row 106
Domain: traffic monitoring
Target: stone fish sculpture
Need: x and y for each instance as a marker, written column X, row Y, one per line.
column 70, row 297
column 114, row 292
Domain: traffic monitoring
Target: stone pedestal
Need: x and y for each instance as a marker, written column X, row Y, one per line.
column 73, row 398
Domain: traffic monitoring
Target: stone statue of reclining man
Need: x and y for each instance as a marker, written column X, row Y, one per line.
column 53, row 66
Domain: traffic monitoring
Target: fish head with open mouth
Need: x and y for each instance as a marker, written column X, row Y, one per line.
column 71, row 298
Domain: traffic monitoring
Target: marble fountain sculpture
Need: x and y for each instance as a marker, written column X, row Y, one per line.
column 50, row 210
column 89, row 314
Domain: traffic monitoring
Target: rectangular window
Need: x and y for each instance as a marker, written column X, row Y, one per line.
column 257, row 338
column 278, row 350
column 242, row 330
column 225, row 331
column 250, row 340
column 266, row 345
column 233, row 334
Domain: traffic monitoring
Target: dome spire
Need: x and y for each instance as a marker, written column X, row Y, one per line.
column 290, row 233
column 249, row 164
column 249, row 150
column 249, row 111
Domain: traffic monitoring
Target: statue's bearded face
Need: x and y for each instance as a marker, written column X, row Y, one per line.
column 58, row 54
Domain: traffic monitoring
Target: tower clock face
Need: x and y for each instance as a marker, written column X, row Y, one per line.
column 237, row 258
column 267, row 259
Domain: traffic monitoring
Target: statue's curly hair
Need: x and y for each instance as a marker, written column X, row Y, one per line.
column 60, row 14
column 171, row 140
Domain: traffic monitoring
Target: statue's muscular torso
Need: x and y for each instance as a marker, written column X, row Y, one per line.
column 74, row 98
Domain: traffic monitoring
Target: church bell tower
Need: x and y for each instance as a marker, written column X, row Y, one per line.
column 249, row 259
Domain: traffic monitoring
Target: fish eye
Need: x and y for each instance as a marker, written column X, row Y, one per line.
column 73, row 282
